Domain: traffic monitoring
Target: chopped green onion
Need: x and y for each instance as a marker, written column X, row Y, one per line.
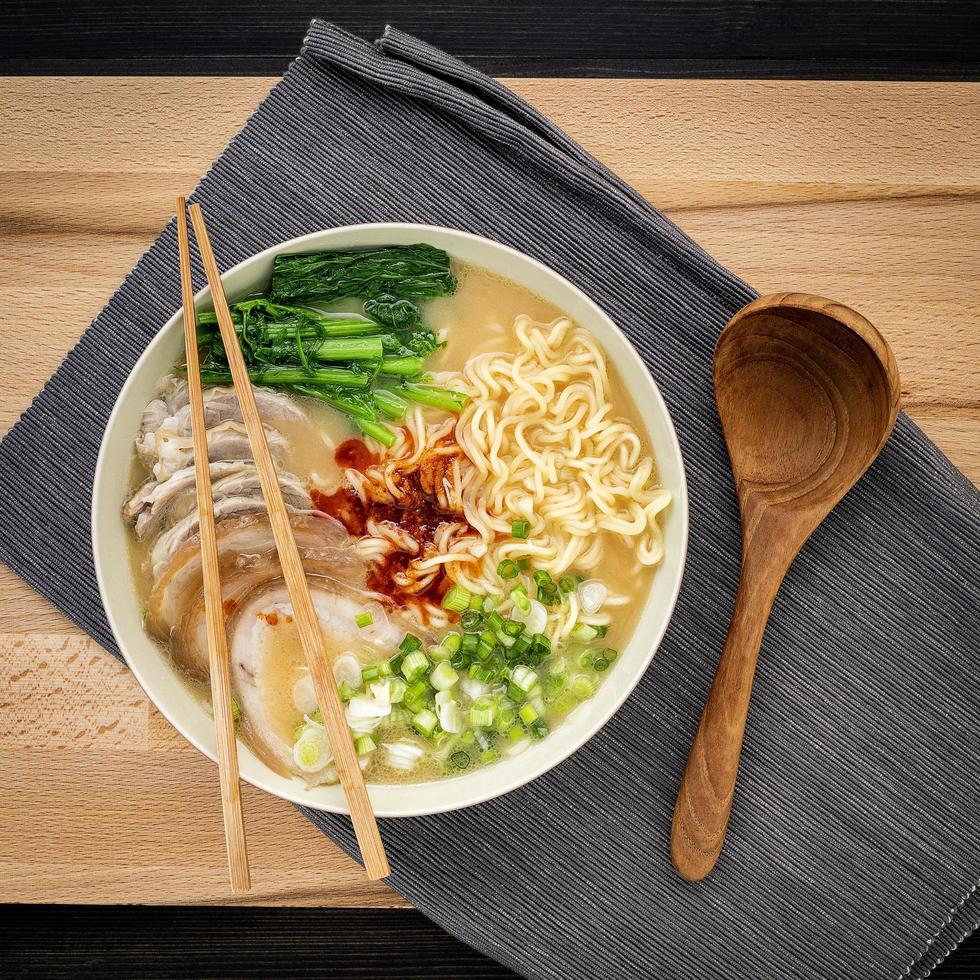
column 439, row 653
column 410, row 643
column 364, row 619
column 489, row 604
column 236, row 711
column 567, row 583
column 425, row 722
column 520, row 599
column 369, row 674
column 504, row 638
column 514, row 628
column 523, row 564
column 385, row 668
column 506, row 717
column 477, row 603
column 610, row 654
column 346, row 692
column 601, row 630
column 443, row 677
column 542, row 643
column 586, row 659
column 471, row 642
column 307, row 753
column 488, row 755
column 508, row 569
column 542, row 578
column 527, row 714
column 521, row 645
column 481, row 713
column 516, row 733
column 480, row 672
column 397, row 690
column 538, row 728
column 415, row 695
column 452, row 642
column 582, row 687
column 600, row 663
column 520, row 529
column 523, row 677
column 494, row 621
column 460, row 759
column 365, row 745
column 414, row 665
column 456, row 599
column 471, row 620
column 583, row 633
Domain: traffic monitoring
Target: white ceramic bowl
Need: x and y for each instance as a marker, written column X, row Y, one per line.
column 181, row 708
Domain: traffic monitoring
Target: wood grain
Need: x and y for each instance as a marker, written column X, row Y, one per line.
column 214, row 614
column 707, row 38
column 808, row 393
column 311, row 638
column 869, row 193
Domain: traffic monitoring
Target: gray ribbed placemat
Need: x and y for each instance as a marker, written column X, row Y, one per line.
column 853, row 847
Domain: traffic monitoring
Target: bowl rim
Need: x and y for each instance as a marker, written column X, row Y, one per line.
column 680, row 502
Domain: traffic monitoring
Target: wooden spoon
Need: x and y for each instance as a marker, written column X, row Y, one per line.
column 808, row 392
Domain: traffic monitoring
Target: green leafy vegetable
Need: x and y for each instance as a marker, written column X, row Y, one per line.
column 276, row 376
column 339, row 358
column 398, row 314
column 405, row 271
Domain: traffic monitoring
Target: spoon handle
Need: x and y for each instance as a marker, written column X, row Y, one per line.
column 708, row 785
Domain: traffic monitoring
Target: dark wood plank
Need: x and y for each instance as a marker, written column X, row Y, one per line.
column 901, row 39
column 68, row 942
column 58, row 942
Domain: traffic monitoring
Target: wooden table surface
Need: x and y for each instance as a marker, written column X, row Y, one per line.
column 865, row 192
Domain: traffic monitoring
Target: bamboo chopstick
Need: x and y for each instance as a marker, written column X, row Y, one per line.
column 304, row 614
column 224, row 723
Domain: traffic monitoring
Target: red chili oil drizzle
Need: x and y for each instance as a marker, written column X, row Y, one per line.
column 417, row 513
column 353, row 454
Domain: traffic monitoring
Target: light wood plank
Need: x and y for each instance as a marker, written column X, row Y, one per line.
column 104, row 802
column 867, row 192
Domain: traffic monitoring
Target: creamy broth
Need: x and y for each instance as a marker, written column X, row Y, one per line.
column 479, row 317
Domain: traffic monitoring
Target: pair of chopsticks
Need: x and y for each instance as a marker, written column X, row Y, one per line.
column 304, row 613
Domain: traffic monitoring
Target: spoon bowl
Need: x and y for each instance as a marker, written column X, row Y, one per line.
column 808, row 392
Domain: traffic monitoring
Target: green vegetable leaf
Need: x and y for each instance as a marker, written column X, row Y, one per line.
column 406, row 271
column 389, row 310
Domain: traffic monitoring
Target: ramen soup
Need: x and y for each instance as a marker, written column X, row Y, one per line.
column 476, row 509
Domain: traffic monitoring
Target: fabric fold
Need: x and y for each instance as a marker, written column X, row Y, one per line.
column 852, row 849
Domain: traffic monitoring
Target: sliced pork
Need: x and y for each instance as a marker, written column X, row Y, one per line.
column 157, row 505
column 166, row 451
column 221, row 405
column 244, row 543
column 266, row 663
